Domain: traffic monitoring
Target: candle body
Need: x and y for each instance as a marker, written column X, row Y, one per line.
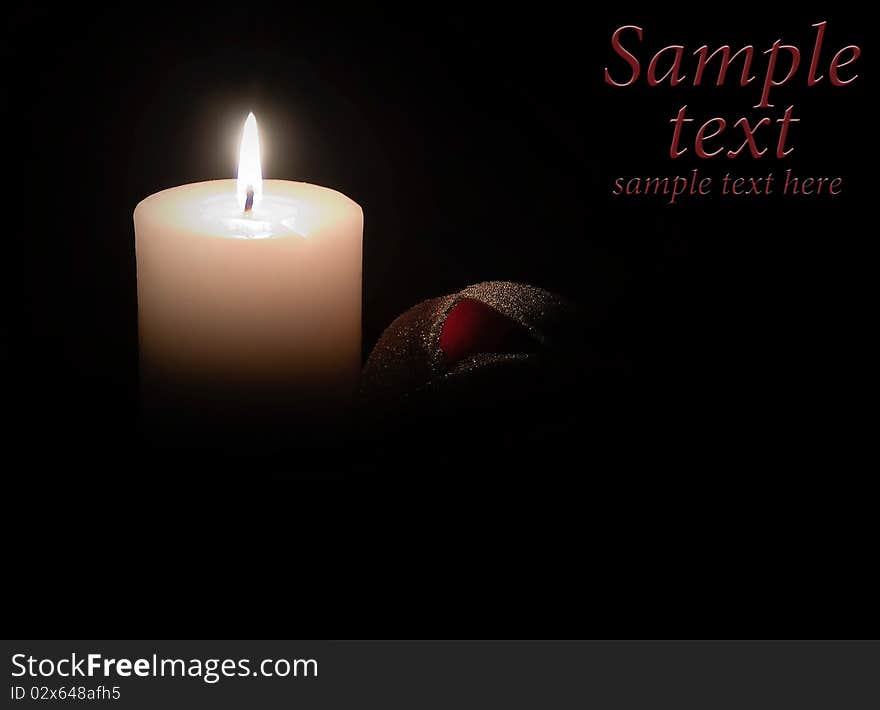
column 249, row 315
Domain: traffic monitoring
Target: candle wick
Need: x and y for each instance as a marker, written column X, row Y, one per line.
column 249, row 202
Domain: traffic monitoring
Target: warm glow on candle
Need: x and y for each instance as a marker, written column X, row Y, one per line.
column 248, row 308
column 249, row 186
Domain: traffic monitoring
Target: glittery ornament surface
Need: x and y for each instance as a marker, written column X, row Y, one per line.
column 408, row 357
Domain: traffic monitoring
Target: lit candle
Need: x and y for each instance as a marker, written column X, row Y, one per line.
column 249, row 293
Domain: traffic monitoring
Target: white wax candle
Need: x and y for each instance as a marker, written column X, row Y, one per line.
column 241, row 304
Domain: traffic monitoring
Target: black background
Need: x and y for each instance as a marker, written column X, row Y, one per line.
column 724, row 495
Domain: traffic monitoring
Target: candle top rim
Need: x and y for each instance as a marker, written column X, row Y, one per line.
column 268, row 182
column 210, row 209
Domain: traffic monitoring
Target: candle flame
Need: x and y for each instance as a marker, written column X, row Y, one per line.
column 249, row 186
